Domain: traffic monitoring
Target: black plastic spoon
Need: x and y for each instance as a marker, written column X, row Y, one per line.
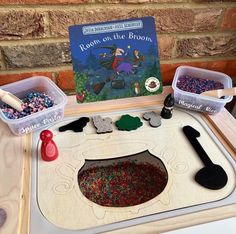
column 212, row 176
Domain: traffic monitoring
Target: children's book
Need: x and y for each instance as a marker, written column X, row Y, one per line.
column 115, row 59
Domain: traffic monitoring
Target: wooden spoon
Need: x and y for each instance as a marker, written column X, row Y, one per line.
column 218, row 93
column 11, row 100
column 211, row 176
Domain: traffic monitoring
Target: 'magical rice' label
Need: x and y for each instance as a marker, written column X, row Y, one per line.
column 199, row 107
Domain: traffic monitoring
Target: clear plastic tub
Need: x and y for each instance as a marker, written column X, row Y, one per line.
column 197, row 102
column 42, row 118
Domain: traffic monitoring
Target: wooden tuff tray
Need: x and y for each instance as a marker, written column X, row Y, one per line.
column 58, row 194
column 53, row 203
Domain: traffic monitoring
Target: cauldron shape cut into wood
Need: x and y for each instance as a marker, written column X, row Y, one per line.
column 123, row 182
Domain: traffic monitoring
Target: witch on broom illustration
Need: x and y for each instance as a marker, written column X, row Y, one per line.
column 113, row 61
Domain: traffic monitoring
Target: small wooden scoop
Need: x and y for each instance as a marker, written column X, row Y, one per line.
column 11, row 100
column 218, row 93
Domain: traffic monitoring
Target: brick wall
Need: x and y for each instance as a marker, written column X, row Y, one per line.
column 34, row 34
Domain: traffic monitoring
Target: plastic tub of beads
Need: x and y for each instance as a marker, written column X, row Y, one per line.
column 190, row 82
column 44, row 104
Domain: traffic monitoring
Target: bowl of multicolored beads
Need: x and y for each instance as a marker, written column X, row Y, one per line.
column 189, row 82
column 43, row 104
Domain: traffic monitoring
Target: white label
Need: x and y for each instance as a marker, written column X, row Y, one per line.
column 32, row 127
column 197, row 107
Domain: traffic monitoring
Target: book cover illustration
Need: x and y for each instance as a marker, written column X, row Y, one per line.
column 116, row 59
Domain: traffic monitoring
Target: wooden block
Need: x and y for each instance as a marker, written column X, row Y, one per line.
column 179, row 158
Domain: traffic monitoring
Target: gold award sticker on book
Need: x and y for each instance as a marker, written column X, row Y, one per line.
column 152, row 84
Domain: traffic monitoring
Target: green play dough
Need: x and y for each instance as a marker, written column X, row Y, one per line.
column 128, row 123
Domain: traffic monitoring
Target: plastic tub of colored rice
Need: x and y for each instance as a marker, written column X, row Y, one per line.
column 44, row 104
column 190, row 82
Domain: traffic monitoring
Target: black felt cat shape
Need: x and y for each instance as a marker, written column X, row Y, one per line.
column 76, row 126
column 211, row 176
